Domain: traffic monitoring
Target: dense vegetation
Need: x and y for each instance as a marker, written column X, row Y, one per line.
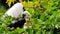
column 45, row 17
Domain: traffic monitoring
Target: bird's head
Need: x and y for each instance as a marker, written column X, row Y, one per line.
column 26, row 15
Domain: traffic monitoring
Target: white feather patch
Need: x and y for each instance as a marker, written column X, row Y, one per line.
column 16, row 10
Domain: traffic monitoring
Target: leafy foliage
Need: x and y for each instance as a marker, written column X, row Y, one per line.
column 45, row 17
column 9, row 2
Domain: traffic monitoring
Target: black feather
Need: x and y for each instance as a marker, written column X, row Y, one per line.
column 20, row 22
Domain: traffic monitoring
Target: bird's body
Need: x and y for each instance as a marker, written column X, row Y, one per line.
column 16, row 11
